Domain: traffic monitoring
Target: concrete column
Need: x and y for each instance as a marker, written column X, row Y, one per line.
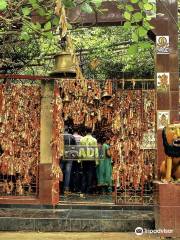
column 46, row 182
column 167, row 204
column 47, row 93
column 167, row 101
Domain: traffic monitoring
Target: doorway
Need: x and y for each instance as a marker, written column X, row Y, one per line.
column 127, row 118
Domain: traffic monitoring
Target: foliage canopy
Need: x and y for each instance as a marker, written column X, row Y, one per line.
column 26, row 41
column 104, row 53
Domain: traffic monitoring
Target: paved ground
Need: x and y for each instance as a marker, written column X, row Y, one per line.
column 72, row 236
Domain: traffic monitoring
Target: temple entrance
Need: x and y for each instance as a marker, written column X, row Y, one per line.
column 125, row 117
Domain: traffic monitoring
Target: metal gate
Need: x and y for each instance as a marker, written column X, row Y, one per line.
column 134, row 147
column 126, row 110
column 130, row 113
column 19, row 137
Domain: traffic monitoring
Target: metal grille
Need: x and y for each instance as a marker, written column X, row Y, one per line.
column 19, row 138
column 128, row 115
column 135, row 148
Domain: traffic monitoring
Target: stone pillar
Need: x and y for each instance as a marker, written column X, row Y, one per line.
column 167, row 209
column 167, row 196
column 167, row 63
column 46, row 181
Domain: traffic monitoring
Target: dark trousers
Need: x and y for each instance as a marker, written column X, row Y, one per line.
column 76, row 177
column 66, row 169
column 88, row 176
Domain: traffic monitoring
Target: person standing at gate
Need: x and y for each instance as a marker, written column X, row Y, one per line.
column 66, row 165
column 104, row 168
column 77, row 136
column 76, row 171
column 89, row 161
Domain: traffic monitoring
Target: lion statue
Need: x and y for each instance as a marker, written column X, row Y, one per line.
column 170, row 167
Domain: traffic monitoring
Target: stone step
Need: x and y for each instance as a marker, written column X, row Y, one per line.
column 74, row 220
column 81, row 205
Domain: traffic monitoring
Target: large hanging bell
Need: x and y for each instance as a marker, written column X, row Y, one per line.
column 105, row 95
column 64, row 66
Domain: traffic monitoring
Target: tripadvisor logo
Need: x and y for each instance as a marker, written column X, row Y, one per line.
column 139, row 231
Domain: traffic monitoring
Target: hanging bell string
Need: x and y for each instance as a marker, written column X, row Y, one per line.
column 63, row 23
column 58, row 7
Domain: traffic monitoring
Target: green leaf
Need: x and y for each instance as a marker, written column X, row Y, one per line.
column 68, row 3
column 35, row 6
column 135, row 37
column 127, row 25
column 26, row 11
column 55, row 21
column 37, row 26
column 97, row 2
column 33, row 26
column 47, row 26
column 86, row 8
column 132, row 49
column 127, row 15
column 147, row 25
column 69, row 26
column 120, row 6
column 148, row 6
column 24, row 36
column 145, row 45
column 41, row 12
column 149, row 17
column 142, row 31
column 141, row 5
column 32, row 1
column 130, row 8
column 49, row 35
column 3, row 4
column 134, row 1
column 137, row 17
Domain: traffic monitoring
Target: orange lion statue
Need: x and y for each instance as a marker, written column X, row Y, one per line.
column 170, row 167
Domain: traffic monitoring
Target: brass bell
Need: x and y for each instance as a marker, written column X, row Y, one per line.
column 110, row 105
column 92, row 114
column 96, row 98
column 106, row 95
column 91, row 102
column 64, row 66
column 66, row 99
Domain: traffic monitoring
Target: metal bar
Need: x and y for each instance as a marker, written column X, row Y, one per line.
column 38, row 77
column 29, row 77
